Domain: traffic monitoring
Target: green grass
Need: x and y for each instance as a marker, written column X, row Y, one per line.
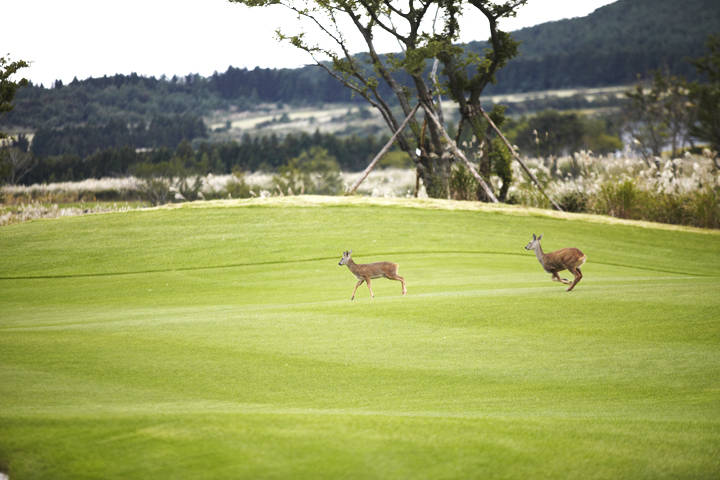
column 221, row 342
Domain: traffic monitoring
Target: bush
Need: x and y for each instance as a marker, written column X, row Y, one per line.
column 623, row 200
column 575, row 201
column 313, row 172
column 463, row 185
column 236, row 187
column 706, row 208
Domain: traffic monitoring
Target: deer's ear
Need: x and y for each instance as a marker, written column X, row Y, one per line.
column 534, row 237
column 540, row 237
column 350, row 252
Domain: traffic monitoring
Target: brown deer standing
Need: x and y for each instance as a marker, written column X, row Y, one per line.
column 367, row 271
column 564, row 259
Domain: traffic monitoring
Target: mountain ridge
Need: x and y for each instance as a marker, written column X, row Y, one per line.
column 611, row 46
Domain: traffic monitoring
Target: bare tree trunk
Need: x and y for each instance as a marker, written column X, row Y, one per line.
column 462, row 157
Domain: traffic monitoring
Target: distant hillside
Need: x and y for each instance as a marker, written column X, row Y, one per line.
column 609, row 47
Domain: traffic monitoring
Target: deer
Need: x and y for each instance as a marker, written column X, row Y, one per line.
column 366, row 272
column 570, row 259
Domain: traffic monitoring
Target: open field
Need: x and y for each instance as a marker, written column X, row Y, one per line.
column 218, row 340
column 334, row 118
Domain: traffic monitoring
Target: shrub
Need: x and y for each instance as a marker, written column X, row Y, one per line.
column 623, row 200
column 573, row 201
column 463, row 185
column 706, row 208
column 313, row 172
column 236, row 186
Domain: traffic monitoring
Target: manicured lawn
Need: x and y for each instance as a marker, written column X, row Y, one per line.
column 220, row 342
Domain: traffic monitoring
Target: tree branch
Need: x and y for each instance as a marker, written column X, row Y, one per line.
column 382, row 152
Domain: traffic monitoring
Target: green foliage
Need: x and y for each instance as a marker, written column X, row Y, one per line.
column 552, row 133
column 237, row 187
column 5, row 166
column 396, row 159
column 162, row 131
column 660, row 116
column 501, row 160
column 622, row 200
column 251, row 154
column 706, row 208
column 579, row 52
column 168, row 181
column 699, row 208
column 8, row 87
column 15, row 164
column 314, row 172
column 574, row 201
column 707, row 95
column 463, row 185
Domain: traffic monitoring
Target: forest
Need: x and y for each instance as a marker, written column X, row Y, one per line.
column 265, row 153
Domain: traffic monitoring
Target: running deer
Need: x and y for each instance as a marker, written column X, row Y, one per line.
column 367, row 271
column 564, row 259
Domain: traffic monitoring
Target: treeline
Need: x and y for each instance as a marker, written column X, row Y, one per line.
column 591, row 67
column 251, row 154
column 552, row 134
column 578, row 101
column 137, row 98
column 611, row 46
column 82, row 141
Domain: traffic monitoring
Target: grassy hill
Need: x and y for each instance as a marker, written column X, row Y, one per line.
column 219, row 341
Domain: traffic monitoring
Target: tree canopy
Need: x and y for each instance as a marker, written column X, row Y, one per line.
column 8, row 87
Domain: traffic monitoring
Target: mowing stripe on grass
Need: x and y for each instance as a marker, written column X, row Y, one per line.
column 320, row 259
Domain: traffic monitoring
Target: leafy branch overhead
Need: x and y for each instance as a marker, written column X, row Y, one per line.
column 426, row 32
column 8, row 87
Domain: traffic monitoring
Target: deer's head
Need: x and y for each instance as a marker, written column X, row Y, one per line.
column 534, row 242
column 345, row 258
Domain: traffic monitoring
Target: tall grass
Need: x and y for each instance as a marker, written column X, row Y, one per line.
column 682, row 191
column 33, row 211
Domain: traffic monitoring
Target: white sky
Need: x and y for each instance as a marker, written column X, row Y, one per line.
column 87, row 38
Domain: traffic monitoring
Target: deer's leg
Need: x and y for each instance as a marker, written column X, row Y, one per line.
column 369, row 287
column 356, row 286
column 556, row 278
column 578, row 277
column 395, row 276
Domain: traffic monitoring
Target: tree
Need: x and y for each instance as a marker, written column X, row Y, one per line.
column 707, row 95
column 313, row 172
column 413, row 24
column 551, row 133
column 15, row 164
column 164, row 181
column 8, row 88
column 660, row 116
